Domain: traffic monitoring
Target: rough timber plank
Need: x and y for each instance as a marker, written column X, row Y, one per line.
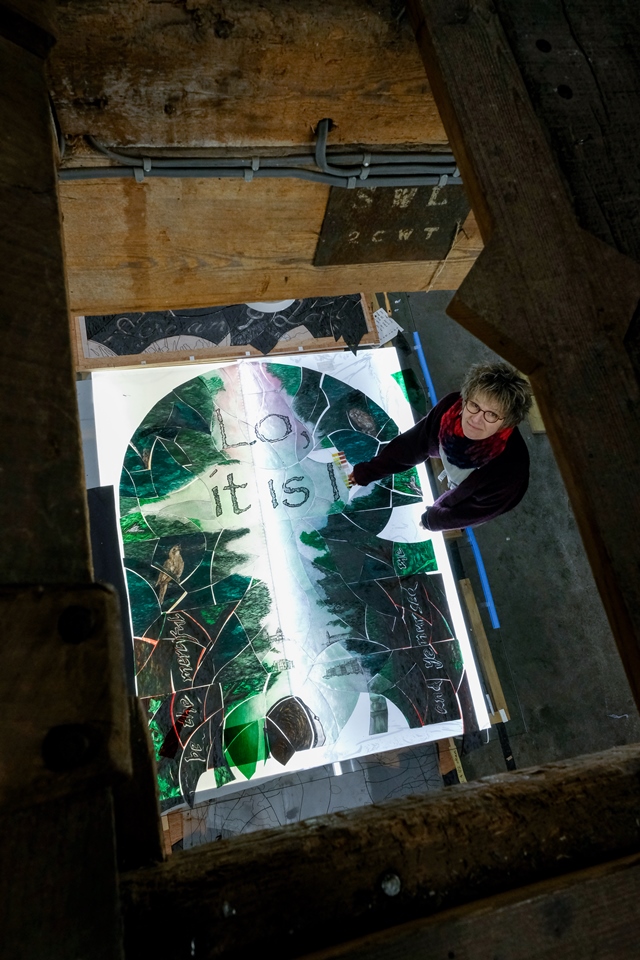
column 237, row 73
column 71, row 652
column 592, row 914
column 319, row 883
column 58, row 884
column 301, row 342
column 582, row 72
column 136, row 804
column 198, row 243
column 42, row 508
column 545, row 294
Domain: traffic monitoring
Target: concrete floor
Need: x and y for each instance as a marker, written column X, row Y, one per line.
column 564, row 684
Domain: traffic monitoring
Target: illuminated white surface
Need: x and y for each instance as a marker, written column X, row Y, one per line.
column 123, row 398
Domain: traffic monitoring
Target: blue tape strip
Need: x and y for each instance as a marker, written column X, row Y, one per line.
column 484, row 580
column 425, row 368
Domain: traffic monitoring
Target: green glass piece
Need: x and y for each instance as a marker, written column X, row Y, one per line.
column 168, row 475
column 313, row 539
column 379, row 626
column 213, row 383
column 143, row 602
column 408, row 383
column 407, row 482
column 186, row 417
column 167, row 790
column 379, row 715
column 252, row 611
column 156, row 423
column 309, row 402
column 136, row 479
column 378, row 498
column 196, row 394
column 245, row 746
column 224, row 560
column 135, row 529
column 231, row 588
column 289, row 376
column 239, row 670
column 379, row 684
column 140, row 552
column 127, row 488
column 171, row 526
column 400, row 380
column 223, row 775
column 357, row 447
column 410, row 558
column 199, row 451
column 388, row 432
column 374, row 568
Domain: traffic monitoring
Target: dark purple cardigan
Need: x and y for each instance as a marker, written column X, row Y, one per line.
column 489, row 491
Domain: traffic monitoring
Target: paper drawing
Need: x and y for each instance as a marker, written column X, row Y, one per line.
column 281, row 621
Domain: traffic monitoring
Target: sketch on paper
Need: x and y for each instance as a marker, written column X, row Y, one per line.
column 281, row 620
column 263, row 326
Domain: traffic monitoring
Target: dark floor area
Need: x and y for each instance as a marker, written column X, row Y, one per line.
column 563, row 681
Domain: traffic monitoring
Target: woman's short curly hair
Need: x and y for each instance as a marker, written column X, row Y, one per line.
column 504, row 385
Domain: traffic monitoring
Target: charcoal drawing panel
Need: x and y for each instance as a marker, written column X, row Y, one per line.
column 243, row 324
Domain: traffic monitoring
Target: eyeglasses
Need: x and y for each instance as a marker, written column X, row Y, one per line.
column 489, row 415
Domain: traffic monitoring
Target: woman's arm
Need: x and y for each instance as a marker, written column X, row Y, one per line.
column 487, row 493
column 405, row 450
column 447, row 513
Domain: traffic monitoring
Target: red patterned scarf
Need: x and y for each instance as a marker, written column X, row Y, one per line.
column 461, row 451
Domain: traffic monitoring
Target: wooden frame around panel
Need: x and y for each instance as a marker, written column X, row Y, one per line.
column 301, row 341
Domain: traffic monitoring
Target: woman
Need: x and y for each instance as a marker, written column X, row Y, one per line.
column 485, row 459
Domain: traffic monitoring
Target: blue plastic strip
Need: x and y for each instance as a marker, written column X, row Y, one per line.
column 425, row 368
column 484, row 580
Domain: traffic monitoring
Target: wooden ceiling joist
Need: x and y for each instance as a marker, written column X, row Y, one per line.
column 210, row 73
column 546, row 294
column 322, row 882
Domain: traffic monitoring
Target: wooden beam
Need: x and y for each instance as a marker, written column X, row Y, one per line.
column 43, row 514
column 580, row 66
column 548, row 296
column 64, row 735
column 586, row 914
column 166, row 244
column 322, row 882
column 236, row 74
column 64, row 741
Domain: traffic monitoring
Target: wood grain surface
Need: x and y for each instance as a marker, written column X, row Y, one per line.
column 43, row 513
column 197, row 243
column 592, row 913
column 318, row 883
column 484, row 654
column 212, row 73
column 547, row 295
column 64, row 733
